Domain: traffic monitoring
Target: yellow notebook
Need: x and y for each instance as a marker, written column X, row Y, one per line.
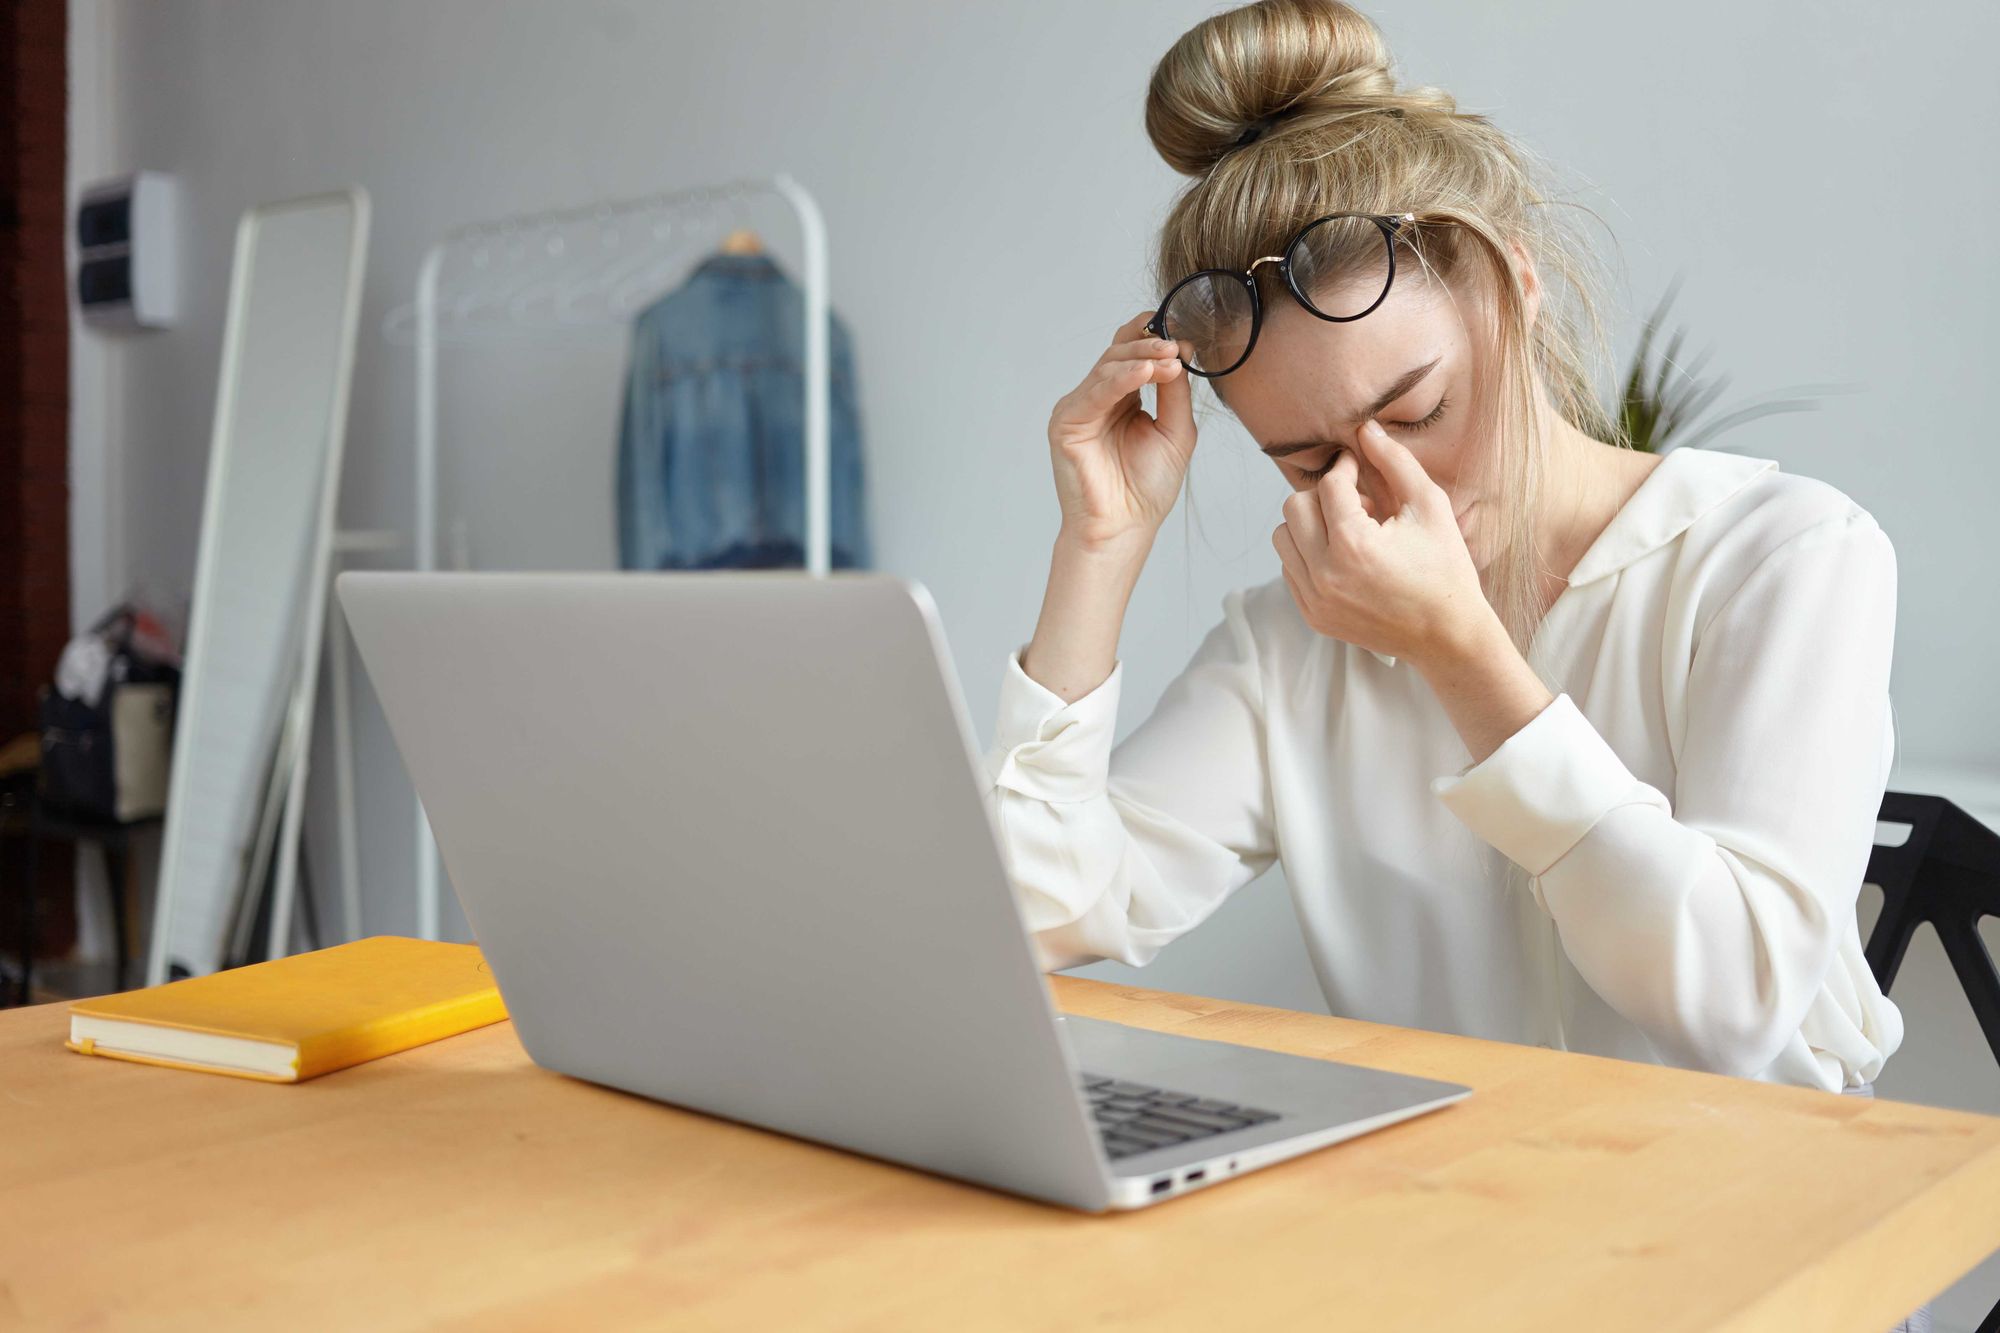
column 295, row 1018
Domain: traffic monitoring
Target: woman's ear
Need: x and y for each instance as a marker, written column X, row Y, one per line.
column 1531, row 282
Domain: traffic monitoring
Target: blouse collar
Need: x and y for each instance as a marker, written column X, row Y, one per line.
column 1685, row 484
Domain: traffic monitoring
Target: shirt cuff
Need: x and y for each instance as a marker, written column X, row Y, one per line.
column 1050, row 748
column 1537, row 795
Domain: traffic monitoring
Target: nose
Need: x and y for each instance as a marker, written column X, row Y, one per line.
column 1373, row 486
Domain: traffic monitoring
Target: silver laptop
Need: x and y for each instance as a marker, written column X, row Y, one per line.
column 720, row 838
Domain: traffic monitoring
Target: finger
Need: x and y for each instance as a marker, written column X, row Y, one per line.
column 1112, row 382
column 1307, row 524
column 1178, row 347
column 1173, row 407
column 1134, row 327
column 1298, row 596
column 1290, row 558
column 1137, row 348
column 1339, row 497
column 1412, row 485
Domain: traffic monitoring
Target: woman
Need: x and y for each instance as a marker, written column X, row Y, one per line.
column 1559, row 742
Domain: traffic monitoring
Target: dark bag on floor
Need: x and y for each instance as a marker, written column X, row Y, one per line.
column 109, row 760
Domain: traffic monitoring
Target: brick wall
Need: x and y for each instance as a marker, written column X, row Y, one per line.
column 34, row 392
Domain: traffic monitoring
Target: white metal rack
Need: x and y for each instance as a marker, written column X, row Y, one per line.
column 533, row 276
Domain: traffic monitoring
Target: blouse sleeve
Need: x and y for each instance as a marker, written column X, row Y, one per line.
column 1116, row 851
column 1710, row 921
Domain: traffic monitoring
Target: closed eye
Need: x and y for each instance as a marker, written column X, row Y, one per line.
column 1436, row 414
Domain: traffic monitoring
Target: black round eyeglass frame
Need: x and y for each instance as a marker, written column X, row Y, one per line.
column 1387, row 222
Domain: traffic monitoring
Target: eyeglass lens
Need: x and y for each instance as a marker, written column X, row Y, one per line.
column 1210, row 316
column 1341, row 264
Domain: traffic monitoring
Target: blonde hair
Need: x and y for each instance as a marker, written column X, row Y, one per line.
column 1346, row 138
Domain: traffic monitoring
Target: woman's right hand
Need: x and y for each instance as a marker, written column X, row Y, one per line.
column 1118, row 469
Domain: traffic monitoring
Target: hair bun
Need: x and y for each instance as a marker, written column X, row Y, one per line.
column 1229, row 76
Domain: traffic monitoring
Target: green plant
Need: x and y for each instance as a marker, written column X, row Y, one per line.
column 1663, row 400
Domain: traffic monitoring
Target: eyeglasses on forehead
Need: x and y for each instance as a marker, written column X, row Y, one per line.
column 1216, row 313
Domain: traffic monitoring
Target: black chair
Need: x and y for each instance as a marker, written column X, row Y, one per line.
column 35, row 824
column 1947, row 873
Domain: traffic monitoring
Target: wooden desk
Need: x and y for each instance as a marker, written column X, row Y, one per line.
column 459, row 1186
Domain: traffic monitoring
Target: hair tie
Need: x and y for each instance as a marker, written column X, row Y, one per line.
column 1256, row 130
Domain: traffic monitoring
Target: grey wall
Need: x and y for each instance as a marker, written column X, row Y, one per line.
column 1819, row 173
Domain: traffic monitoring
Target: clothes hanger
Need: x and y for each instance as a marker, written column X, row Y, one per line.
column 742, row 241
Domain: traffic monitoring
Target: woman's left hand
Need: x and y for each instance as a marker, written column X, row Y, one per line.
column 1403, row 585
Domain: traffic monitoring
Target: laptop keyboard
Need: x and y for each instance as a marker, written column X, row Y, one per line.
column 1135, row 1117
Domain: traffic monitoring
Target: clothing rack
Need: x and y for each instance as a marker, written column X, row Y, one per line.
column 558, row 273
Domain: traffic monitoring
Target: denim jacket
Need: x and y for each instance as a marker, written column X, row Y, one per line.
column 711, row 448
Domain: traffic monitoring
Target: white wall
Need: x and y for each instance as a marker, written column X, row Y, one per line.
column 990, row 196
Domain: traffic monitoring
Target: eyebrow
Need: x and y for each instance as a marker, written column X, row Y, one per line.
column 1403, row 385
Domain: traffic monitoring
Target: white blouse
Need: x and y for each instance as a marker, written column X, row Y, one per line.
column 1691, row 817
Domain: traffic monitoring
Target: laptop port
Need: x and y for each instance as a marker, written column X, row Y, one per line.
column 1193, row 1176
column 1161, row 1185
